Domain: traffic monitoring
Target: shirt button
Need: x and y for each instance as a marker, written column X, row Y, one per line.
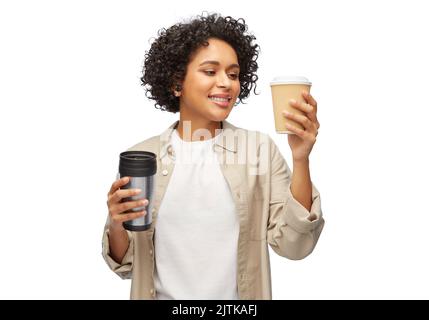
column 151, row 252
column 164, row 172
column 152, row 291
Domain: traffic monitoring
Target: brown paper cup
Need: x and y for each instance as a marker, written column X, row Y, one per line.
column 283, row 89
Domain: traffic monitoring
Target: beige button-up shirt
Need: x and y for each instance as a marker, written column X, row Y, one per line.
column 259, row 179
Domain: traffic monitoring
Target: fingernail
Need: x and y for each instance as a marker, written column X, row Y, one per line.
column 292, row 101
column 136, row 191
column 145, row 202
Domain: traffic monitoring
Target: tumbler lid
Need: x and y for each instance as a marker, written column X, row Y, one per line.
column 137, row 163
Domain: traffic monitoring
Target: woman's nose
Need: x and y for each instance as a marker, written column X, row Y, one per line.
column 223, row 81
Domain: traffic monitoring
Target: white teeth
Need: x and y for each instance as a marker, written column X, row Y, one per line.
column 219, row 99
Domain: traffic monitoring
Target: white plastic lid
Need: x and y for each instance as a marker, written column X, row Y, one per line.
column 289, row 80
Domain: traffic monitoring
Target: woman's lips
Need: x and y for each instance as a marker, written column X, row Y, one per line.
column 223, row 104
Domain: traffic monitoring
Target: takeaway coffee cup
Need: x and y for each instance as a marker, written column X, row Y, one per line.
column 283, row 89
column 140, row 166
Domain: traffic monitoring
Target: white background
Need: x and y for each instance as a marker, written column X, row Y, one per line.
column 71, row 102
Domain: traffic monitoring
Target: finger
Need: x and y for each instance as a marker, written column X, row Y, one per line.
column 299, row 132
column 128, row 216
column 121, row 194
column 117, row 184
column 309, row 99
column 317, row 124
column 304, row 135
column 302, row 119
column 305, row 107
column 125, row 206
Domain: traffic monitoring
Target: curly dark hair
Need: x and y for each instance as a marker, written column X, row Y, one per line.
column 166, row 61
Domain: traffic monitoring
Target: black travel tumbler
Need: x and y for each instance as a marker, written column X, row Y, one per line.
column 140, row 166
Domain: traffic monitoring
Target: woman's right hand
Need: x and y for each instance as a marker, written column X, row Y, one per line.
column 117, row 208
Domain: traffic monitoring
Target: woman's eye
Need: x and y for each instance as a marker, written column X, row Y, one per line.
column 233, row 76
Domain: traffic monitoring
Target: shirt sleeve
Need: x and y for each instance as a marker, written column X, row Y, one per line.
column 123, row 269
column 290, row 232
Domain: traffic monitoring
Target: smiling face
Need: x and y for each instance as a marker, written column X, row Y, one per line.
column 211, row 85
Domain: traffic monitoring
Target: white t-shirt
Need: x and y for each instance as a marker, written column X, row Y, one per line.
column 197, row 228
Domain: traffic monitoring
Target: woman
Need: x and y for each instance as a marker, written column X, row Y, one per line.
column 214, row 213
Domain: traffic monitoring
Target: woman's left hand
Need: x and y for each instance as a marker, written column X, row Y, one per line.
column 302, row 142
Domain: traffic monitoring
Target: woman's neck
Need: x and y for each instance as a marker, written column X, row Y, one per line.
column 197, row 130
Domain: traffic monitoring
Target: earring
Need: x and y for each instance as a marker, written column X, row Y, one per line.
column 177, row 91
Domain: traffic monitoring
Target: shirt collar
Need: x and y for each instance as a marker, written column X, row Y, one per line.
column 221, row 141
